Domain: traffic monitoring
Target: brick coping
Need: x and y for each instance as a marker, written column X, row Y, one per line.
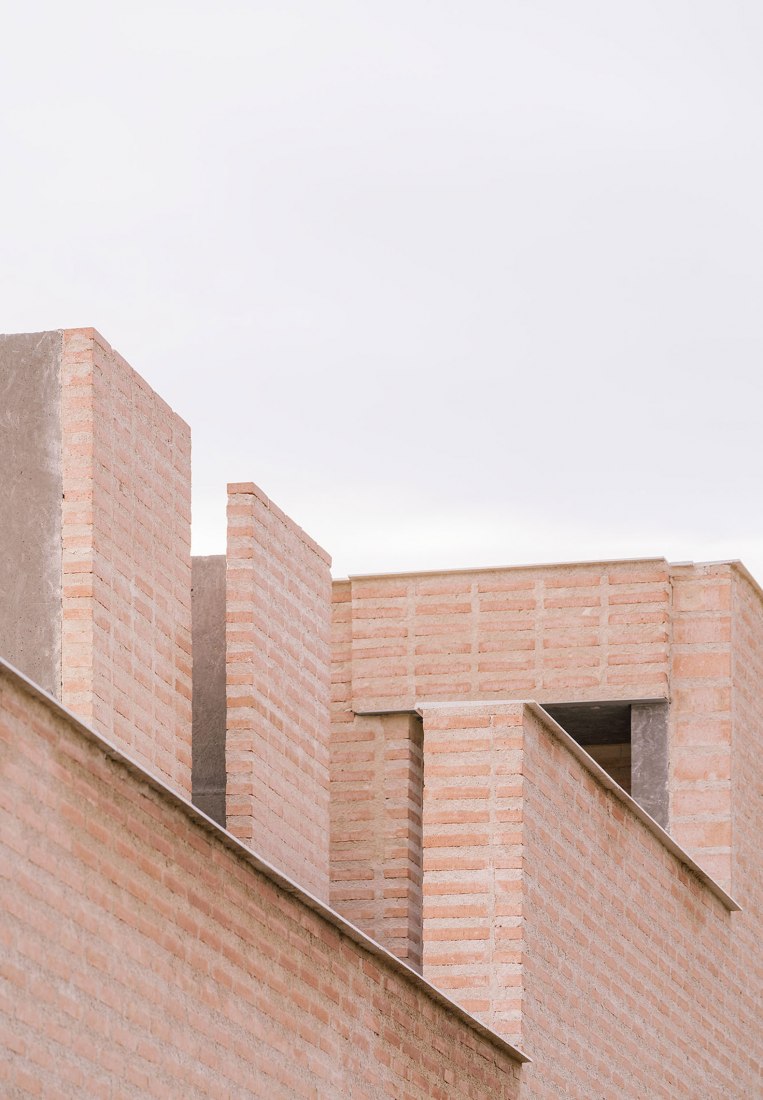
column 240, row 850
column 604, row 778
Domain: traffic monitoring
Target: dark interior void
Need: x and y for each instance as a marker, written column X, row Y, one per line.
column 603, row 730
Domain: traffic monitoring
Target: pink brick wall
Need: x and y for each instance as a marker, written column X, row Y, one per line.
column 126, row 649
column 143, row 955
column 553, row 911
column 747, row 784
column 701, row 714
column 585, row 633
column 560, row 633
column 376, row 787
column 473, row 853
column 278, row 597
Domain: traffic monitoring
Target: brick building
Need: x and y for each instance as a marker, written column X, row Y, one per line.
column 472, row 834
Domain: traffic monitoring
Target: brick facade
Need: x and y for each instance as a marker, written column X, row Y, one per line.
column 142, row 954
column 554, row 913
column 585, row 633
column 377, row 743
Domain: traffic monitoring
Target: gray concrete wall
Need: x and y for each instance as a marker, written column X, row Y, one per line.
column 31, row 489
column 649, row 759
column 209, row 706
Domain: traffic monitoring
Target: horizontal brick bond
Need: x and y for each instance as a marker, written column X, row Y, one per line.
column 566, row 919
column 278, row 600
column 149, row 951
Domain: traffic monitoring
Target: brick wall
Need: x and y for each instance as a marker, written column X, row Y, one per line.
column 376, row 788
column 557, row 633
column 278, row 595
column 701, row 714
column 143, row 954
column 126, row 648
column 569, row 633
column 553, row 911
column 747, row 786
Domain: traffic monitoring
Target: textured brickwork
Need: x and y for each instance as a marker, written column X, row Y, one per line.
column 473, row 855
column 701, row 714
column 376, row 787
column 126, row 647
column 574, row 633
column 278, row 597
column 747, row 789
column 559, row 633
column 141, row 956
column 554, row 912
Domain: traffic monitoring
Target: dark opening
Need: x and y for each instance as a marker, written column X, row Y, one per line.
column 603, row 730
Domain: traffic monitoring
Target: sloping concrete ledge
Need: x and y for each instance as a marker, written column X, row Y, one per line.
column 605, row 780
column 324, row 911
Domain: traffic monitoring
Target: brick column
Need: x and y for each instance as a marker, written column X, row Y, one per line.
column 472, row 912
column 278, row 596
column 376, row 788
column 701, row 716
column 97, row 536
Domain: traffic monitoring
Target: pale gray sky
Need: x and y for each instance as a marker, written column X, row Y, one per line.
column 456, row 283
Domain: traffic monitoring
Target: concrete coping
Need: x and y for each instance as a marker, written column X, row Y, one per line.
column 605, row 779
column 320, row 908
column 502, row 568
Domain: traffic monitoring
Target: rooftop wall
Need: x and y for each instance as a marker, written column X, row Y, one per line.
column 145, row 953
column 556, row 633
column 376, row 788
column 126, row 540
column 278, row 601
column 578, row 633
column 95, row 539
column 558, row 915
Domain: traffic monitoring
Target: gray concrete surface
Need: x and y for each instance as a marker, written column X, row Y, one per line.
column 31, row 490
column 209, row 710
column 649, row 759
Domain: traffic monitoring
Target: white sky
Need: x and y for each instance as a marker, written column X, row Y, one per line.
column 457, row 283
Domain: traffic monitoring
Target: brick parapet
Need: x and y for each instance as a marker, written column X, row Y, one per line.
column 564, row 633
column 610, row 944
column 278, row 596
column 124, row 894
column 701, row 714
column 126, row 566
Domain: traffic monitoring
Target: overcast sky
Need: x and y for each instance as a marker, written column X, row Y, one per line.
column 457, row 283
